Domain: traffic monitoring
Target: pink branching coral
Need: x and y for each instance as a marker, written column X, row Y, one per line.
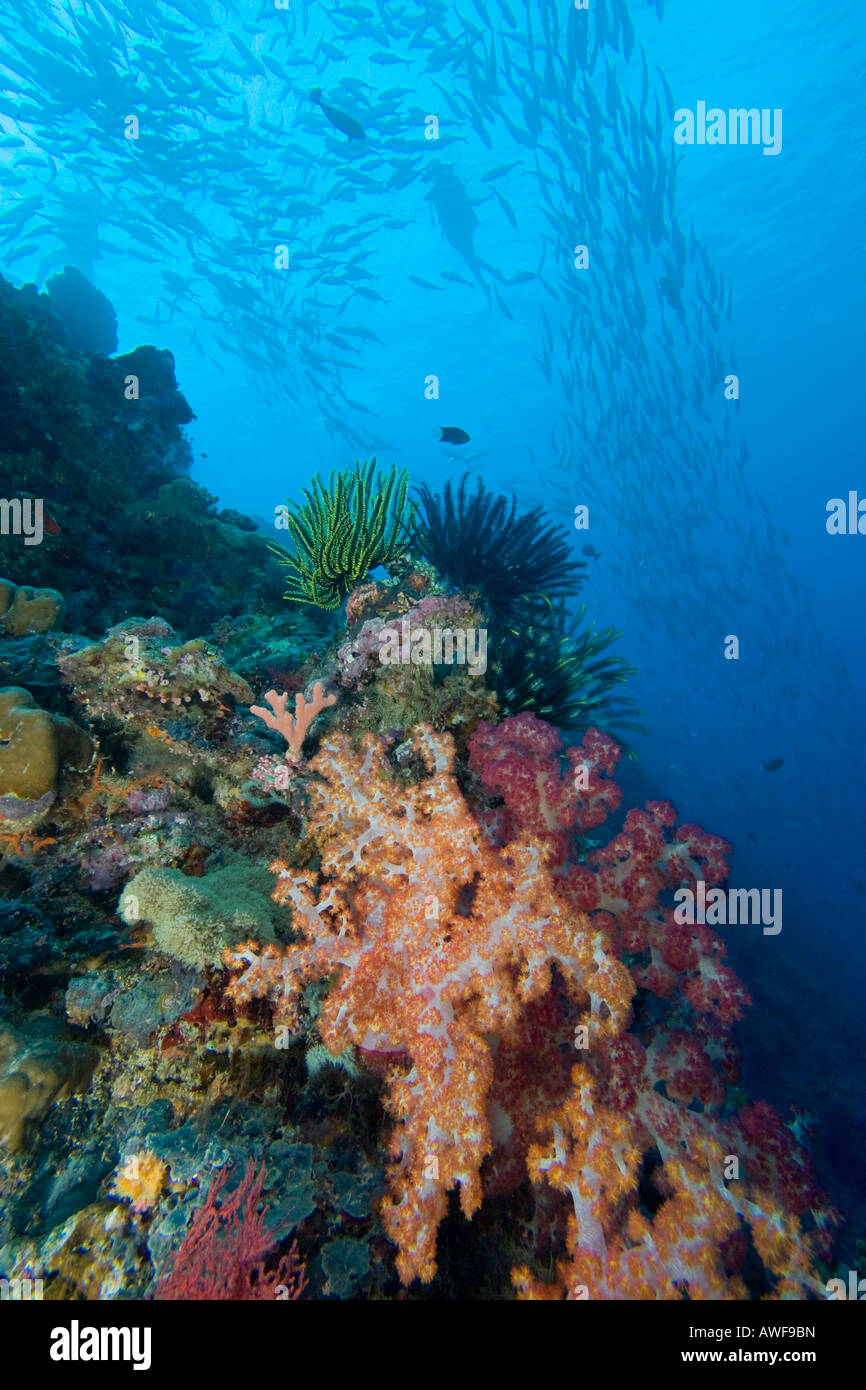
column 293, row 727
column 222, row 1255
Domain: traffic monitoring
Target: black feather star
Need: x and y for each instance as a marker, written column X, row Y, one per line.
column 553, row 665
column 478, row 542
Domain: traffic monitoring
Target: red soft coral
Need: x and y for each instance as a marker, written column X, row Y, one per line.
column 521, row 760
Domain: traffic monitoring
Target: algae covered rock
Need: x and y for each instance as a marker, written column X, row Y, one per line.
column 214, row 561
column 154, row 1001
column 142, row 663
column 346, row 1266
column 39, row 1066
column 31, row 661
column 33, row 744
column 27, row 940
column 195, row 919
column 84, row 311
column 93, row 1254
column 24, row 610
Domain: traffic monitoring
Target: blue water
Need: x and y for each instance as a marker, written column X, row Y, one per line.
column 688, row 555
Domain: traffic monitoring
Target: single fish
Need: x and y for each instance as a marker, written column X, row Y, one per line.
column 591, row 551
column 503, row 306
column 457, row 278
column 425, row 284
column 452, row 434
column 246, row 53
column 506, row 208
column 347, row 124
column 374, row 295
column 773, row 765
column 499, row 171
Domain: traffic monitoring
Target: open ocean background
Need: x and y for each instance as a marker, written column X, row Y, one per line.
column 690, row 549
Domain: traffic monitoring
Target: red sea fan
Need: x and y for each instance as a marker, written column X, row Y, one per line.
column 222, row 1255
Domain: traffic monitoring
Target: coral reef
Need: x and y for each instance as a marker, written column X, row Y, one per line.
column 695, row 1243
column 140, row 1179
column 443, row 948
column 456, row 1031
column 143, row 661
column 553, row 666
column 621, row 884
column 93, row 1254
column 412, row 662
column 521, row 573
column 419, row 977
column 222, row 1253
column 448, row 932
column 100, row 441
column 478, row 542
column 362, row 655
column 215, row 563
column 83, row 310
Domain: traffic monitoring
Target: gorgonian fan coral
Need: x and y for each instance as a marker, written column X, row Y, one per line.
column 342, row 531
column 223, row 1253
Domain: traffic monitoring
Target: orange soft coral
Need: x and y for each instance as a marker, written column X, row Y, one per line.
column 437, row 943
column 683, row 1249
column 141, row 1178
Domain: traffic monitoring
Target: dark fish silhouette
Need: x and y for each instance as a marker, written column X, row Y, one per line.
column 425, row 284
column 498, row 172
column 591, row 551
column 452, row 434
column 347, row 124
column 773, row 765
column 455, row 214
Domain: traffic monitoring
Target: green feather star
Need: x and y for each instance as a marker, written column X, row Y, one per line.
column 343, row 531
